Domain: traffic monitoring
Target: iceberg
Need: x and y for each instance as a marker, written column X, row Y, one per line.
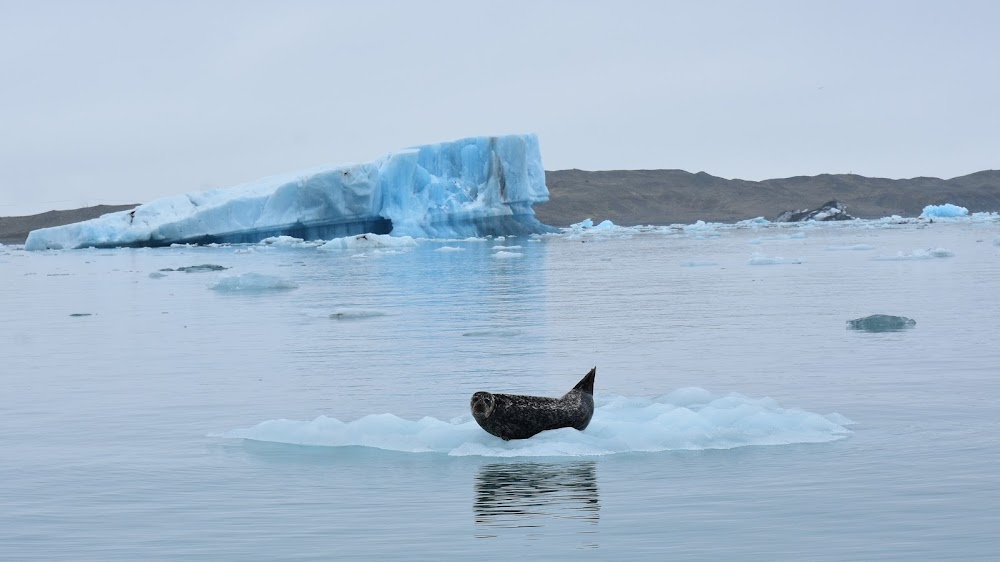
column 945, row 211
column 476, row 186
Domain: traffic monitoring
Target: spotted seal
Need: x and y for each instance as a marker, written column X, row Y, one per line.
column 513, row 416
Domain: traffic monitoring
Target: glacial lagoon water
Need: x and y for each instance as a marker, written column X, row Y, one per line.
column 312, row 404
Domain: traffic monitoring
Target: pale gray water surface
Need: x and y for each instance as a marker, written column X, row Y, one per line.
column 116, row 441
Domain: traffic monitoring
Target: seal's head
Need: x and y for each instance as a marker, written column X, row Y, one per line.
column 482, row 405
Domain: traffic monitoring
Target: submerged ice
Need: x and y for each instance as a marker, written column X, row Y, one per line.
column 471, row 187
column 687, row 419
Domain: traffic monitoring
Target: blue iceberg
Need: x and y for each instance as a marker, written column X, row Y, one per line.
column 945, row 211
column 471, row 187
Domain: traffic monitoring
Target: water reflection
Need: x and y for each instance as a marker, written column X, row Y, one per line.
column 531, row 494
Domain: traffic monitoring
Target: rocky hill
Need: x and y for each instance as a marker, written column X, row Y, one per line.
column 675, row 196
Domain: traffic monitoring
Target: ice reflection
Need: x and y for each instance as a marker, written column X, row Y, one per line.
column 531, row 494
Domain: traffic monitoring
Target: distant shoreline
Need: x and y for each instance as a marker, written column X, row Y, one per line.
column 663, row 197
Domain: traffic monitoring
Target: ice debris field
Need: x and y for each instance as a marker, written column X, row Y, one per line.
column 686, row 419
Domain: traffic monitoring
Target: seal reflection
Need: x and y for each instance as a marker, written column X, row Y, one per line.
column 531, row 494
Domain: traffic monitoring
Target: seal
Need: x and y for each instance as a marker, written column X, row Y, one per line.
column 514, row 416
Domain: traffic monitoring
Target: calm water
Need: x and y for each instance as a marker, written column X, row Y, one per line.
column 120, row 429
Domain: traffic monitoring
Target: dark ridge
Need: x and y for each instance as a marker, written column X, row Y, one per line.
column 675, row 196
column 14, row 230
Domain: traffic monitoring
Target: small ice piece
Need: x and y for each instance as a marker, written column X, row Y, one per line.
column 881, row 323
column 926, row 254
column 80, row 314
column 701, row 230
column 792, row 236
column 368, row 241
column 449, row 249
column 946, row 211
column 281, row 241
column 851, row 247
column 588, row 225
column 698, row 263
column 157, row 275
column 761, row 259
column 203, row 268
column 492, row 333
column 252, row 282
column 502, row 254
column 753, row 223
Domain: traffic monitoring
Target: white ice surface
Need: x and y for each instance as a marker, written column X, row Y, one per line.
column 687, row 419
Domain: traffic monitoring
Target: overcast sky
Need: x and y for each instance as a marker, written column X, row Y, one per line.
column 124, row 102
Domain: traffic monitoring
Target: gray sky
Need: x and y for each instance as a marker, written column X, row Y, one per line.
column 124, row 102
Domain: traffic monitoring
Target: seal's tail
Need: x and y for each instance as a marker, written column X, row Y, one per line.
column 586, row 384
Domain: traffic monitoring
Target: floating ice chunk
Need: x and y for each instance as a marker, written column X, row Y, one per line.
column 493, row 333
column 470, row 187
column 289, row 242
column 985, row 216
column 369, row 241
column 791, row 236
column 507, row 255
column 687, row 419
column 997, row 241
column 698, row 263
column 606, row 229
column 851, row 247
column 927, row 254
column 702, row 230
column 203, row 268
column 761, row 259
column 944, row 211
column 355, row 313
column 449, row 249
column 881, row 323
column 252, row 282
column 753, row 223
column 507, row 247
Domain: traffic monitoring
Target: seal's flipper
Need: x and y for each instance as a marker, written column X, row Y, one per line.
column 586, row 384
